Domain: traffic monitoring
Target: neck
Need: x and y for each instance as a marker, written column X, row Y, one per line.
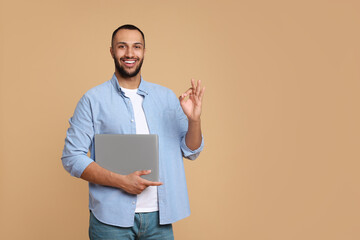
column 129, row 83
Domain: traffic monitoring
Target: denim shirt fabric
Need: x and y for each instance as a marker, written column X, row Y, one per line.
column 106, row 110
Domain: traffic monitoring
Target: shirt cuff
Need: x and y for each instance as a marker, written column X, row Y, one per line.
column 76, row 165
column 191, row 154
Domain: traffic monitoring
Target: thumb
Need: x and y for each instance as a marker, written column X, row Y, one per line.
column 143, row 172
column 182, row 97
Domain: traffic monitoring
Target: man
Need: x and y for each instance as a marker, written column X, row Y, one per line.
column 128, row 206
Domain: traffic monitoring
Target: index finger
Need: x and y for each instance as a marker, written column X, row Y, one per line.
column 150, row 183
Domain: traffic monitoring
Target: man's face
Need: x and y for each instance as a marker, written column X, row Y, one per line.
column 128, row 52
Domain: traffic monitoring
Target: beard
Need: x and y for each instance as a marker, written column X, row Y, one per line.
column 125, row 74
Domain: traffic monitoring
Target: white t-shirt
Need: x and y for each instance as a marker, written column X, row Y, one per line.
column 147, row 201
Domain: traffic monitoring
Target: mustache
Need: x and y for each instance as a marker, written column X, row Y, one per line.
column 127, row 58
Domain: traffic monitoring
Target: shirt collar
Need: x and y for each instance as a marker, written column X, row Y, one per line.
column 142, row 90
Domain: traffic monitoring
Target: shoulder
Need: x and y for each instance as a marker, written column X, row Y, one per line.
column 160, row 91
column 163, row 96
column 99, row 91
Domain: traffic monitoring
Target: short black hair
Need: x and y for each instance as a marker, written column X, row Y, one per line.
column 128, row 27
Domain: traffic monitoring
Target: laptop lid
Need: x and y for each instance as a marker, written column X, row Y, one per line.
column 127, row 153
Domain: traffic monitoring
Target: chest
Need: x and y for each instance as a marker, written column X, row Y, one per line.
column 116, row 115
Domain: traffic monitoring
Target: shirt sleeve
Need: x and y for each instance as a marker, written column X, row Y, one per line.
column 188, row 153
column 78, row 139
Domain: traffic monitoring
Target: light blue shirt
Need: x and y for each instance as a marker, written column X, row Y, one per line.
column 106, row 110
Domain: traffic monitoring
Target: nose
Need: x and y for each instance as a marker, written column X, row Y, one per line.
column 129, row 52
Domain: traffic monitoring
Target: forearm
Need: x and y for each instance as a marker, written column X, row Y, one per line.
column 193, row 136
column 131, row 183
column 98, row 175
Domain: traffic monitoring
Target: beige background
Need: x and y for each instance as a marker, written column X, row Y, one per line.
column 281, row 113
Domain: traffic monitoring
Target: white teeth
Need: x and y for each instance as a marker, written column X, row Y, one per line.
column 129, row 61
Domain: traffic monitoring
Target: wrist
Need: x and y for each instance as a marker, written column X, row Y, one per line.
column 194, row 121
column 118, row 179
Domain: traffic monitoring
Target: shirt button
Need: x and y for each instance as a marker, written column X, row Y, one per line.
column 132, row 120
column 133, row 203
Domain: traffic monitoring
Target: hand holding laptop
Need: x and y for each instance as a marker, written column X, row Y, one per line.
column 131, row 183
column 134, row 184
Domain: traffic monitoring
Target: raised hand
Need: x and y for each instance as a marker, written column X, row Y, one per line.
column 191, row 101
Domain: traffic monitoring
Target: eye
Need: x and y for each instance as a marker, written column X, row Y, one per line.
column 121, row 46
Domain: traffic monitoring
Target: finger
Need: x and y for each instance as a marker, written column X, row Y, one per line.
column 149, row 183
column 185, row 94
column 182, row 100
column 189, row 91
column 193, row 84
column 201, row 93
column 198, row 87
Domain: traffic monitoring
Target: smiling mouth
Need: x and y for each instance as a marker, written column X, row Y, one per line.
column 129, row 63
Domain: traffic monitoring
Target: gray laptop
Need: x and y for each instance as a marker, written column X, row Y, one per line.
column 127, row 153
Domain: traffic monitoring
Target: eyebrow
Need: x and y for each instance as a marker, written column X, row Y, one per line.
column 136, row 43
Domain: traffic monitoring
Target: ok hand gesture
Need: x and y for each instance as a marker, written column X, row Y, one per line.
column 191, row 101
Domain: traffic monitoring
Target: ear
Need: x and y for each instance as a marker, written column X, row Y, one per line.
column 111, row 51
